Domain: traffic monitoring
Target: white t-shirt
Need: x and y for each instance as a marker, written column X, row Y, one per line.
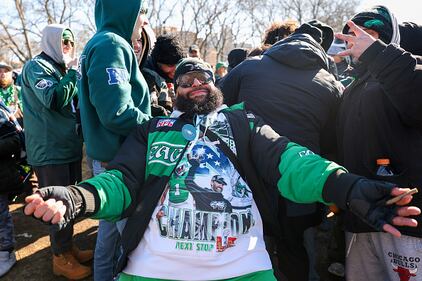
column 206, row 225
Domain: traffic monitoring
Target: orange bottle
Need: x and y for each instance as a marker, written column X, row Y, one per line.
column 384, row 168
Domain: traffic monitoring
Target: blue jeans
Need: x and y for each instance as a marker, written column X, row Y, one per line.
column 7, row 241
column 107, row 248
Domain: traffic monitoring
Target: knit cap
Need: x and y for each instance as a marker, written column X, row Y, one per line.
column 220, row 64
column 379, row 19
column 320, row 32
column 189, row 65
column 68, row 35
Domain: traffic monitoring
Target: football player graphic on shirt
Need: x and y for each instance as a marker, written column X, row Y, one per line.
column 200, row 204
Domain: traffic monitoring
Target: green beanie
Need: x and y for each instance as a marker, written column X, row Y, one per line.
column 68, row 35
column 220, row 64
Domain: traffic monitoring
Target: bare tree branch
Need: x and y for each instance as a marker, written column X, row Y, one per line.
column 215, row 26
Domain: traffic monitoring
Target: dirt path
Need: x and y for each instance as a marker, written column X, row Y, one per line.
column 33, row 246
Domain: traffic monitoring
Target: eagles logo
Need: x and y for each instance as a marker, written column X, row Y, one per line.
column 43, row 84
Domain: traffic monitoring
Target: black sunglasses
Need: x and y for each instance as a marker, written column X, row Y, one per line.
column 187, row 80
column 68, row 42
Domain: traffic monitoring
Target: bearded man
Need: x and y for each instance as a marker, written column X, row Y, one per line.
column 10, row 94
column 152, row 169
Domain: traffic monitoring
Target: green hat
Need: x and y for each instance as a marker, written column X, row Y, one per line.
column 377, row 18
column 220, row 64
column 68, row 35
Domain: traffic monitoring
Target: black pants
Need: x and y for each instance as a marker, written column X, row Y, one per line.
column 62, row 174
column 291, row 253
column 293, row 261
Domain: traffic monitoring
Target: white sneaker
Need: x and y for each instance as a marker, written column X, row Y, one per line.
column 7, row 260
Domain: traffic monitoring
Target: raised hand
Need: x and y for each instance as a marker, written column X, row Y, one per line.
column 72, row 63
column 358, row 43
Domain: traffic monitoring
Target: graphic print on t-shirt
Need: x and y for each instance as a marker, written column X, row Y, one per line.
column 405, row 266
column 206, row 205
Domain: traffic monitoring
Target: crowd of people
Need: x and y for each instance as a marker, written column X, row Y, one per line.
column 221, row 172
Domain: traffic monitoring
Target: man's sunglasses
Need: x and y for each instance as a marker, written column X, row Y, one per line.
column 187, row 80
column 68, row 42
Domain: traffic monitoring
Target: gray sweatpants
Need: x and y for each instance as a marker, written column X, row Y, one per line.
column 381, row 256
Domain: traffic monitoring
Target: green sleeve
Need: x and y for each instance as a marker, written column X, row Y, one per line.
column 42, row 83
column 113, row 195
column 51, row 92
column 66, row 89
column 112, row 99
column 303, row 174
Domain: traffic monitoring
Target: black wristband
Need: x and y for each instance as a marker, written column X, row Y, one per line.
column 337, row 188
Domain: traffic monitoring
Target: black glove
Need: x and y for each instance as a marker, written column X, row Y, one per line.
column 363, row 197
column 71, row 198
column 367, row 200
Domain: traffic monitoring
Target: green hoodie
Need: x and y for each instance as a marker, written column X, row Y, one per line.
column 113, row 94
column 47, row 94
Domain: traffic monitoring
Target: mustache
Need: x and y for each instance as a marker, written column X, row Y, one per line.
column 198, row 89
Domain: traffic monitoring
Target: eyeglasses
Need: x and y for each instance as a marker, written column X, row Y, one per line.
column 187, row 80
column 68, row 42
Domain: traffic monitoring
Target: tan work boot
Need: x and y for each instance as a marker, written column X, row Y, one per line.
column 82, row 255
column 66, row 265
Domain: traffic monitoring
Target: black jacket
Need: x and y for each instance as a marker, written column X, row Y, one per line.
column 262, row 157
column 381, row 117
column 161, row 95
column 291, row 89
column 10, row 179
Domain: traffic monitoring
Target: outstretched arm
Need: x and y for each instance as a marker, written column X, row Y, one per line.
column 305, row 177
column 109, row 195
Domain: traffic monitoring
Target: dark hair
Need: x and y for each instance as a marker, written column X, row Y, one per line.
column 257, row 51
column 236, row 56
column 279, row 30
column 167, row 50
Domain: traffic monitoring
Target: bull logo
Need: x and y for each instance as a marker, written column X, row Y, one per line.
column 404, row 273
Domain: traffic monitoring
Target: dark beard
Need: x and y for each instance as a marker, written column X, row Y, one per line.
column 213, row 100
